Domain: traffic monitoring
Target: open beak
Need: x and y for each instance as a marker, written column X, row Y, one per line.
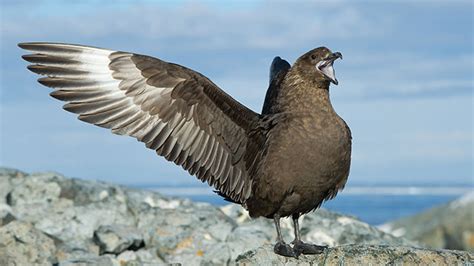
column 325, row 66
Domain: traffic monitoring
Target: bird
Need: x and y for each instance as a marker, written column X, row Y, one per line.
column 285, row 161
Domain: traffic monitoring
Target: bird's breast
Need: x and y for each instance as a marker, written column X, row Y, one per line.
column 307, row 158
column 309, row 149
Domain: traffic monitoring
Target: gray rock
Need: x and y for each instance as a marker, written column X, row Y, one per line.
column 36, row 189
column 5, row 189
column 448, row 226
column 71, row 223
column 86, row 192
column 333, row 229
column 360, row 255
column 236, row 212
column 22, row 244
column 8, row 179
column 11, row 173
column 6, row 215
column 140, row 227
column 248, row 236
column 186, row 234
column 322, row 227
column 139, row 199
column 141, row 257
column 76, row 249
column 90, row 261
column 117, row 238
column 74, row 208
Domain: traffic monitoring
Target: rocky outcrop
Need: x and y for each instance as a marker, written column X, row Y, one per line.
column 449, row 226
column 323, row 227
column 46, row 218
column 115, row 239
column 361, row 255
column 23, row 244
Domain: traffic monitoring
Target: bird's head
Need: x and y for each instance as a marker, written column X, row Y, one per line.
column 318, row 63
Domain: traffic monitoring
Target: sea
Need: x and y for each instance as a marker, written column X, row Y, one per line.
column 374, row 205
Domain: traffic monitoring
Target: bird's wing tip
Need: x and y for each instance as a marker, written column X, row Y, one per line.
column 27, row 57
column 23, row 45
column 278, row 65
column 32, row 45
column 279, row 61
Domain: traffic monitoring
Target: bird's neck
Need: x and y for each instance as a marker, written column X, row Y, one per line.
column 306, row 96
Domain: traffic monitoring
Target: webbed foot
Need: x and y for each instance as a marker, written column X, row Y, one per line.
column 300, row 247
column 283, row 249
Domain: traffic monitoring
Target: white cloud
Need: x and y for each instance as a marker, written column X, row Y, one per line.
column 204, row 26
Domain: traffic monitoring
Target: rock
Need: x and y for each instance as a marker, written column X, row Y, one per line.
column 248, row 236
column 127, row 258
column 90, row 261
column 117, row 238
column 8, row 178
column 448, row 226
column 86, row 222
column 236, row 212
column 22, row 244
column 36, row 189
column 74, row 208
column 71, row 223
column 6, row 172
column 360, row 255
column 6, row 215
column 191, row 233
column 333, row 229
column 76, row 249
column 322, row 227
column 139, row 201
column 141, row 257
column 83, row 192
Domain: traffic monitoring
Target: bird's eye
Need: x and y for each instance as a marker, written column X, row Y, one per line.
column 313, row 56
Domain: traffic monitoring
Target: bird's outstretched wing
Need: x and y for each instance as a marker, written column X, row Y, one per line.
column 172, row 109
column 278, row 71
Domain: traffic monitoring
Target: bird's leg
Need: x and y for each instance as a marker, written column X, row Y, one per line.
column 299, row 246
column 282, row 248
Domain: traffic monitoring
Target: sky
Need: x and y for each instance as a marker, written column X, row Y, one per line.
column 405, row 83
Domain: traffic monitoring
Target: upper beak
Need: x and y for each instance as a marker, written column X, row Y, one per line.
column 334, row 56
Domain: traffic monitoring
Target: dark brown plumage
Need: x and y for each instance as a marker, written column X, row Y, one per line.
column 283, row 162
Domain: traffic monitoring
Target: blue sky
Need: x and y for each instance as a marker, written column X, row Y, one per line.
column 405, row 84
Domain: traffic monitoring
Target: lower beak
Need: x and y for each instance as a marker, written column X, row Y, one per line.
column 326, row 67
